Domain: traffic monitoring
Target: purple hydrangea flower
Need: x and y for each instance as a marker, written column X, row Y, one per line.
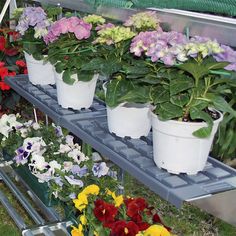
column 100, row 169
column 228, row 55
column 33, row 17
column 158, row 45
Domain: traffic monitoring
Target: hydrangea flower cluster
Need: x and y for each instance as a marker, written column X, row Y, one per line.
column 113, row 34
column 173, row 47
column 202, row 47
column 33, row 17
column 227, row 55
column 94, row 19
column 143, row 21
column 79, row 27
column 158, row 45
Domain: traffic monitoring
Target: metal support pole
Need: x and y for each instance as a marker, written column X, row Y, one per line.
column 46, row 120
column 4, row 10
column 35, row 115
column 120, row 177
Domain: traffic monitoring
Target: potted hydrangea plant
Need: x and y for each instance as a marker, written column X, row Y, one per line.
column 128, row 111
column 188, row 78
column 33, row 25
column 70, row 49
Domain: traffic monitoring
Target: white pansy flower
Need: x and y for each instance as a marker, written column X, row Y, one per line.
column 67, row 165
column 77, row 156
column 38, row 162
column 35, row 145
column 64, row 148
column 43, row 177
column 23, row 132
column 6, row 124
column 54, row 165
column 36, row 126
column 70, row 140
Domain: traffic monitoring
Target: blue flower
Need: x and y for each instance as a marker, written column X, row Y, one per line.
column 58, row 181
column 100, row 169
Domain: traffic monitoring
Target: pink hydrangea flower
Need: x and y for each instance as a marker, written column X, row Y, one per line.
column 79, row 27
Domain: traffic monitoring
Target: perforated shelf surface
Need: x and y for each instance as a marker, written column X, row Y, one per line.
column 133, row 155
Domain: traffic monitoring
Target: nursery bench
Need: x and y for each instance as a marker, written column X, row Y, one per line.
column 211, row 189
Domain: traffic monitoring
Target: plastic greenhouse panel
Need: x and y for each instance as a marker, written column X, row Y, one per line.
column 225, row 7
column 133, row 155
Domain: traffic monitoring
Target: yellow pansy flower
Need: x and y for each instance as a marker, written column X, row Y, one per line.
column 91, row 189
column 95, row 233
column 81, row 202
column 118, row 200
column 157, row 230
column 77, row 231
column 83, row 220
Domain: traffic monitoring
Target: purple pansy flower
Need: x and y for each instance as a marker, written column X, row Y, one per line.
column 22, row 155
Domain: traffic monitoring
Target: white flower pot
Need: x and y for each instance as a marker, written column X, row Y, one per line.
column 131, row 120
column 40, row 73
column 76, row 96
column 175, row 147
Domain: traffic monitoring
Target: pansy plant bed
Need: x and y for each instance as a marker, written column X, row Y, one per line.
column 103, row 213
column 53, row 158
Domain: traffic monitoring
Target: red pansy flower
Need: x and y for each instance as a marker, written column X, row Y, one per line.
column 123, row 228
column 104, row 212
column 135, row 206
column 142, row 225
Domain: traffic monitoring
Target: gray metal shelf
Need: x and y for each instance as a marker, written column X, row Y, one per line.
column 132, row 155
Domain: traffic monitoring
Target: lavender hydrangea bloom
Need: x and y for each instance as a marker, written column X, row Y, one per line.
column 228, row 55
column 158, row 45
column 33, row 17
column 100, row 169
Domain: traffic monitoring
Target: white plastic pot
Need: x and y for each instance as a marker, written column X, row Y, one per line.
column 76, row 96
column 131, row 120
column 175, row 147
column 39, row 72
